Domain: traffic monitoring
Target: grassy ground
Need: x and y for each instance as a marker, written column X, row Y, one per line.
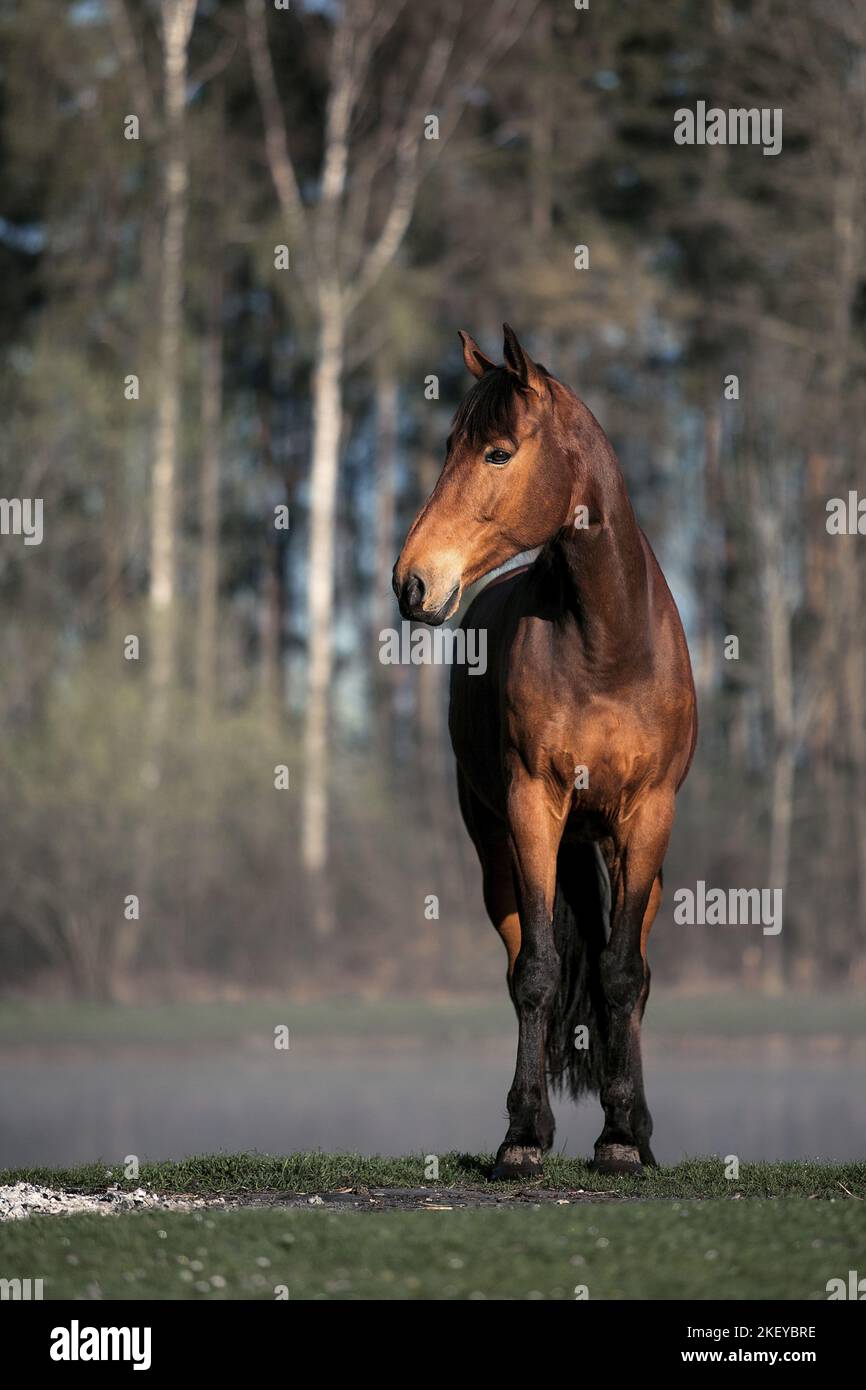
column 321, row 1172
column 92, row 1024
column 776, row 1231
column 764, row 1249
column 780, row 1230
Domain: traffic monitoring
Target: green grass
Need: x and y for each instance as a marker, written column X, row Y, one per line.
column 94, row 1024
column 322, row 1172
column 785, row 1249
column 773, row 1243
column 458, row 1020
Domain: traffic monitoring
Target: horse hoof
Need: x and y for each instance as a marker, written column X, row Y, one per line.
column 517, row 1161
column 621, row 1160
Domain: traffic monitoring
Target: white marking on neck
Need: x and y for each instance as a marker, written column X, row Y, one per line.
column 526, row 557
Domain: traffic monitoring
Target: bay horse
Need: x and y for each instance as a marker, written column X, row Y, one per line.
column 571, row 746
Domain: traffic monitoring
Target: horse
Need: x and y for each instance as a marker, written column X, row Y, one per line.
column 572, row 744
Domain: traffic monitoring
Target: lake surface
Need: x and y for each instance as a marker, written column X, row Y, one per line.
column 57, row 1109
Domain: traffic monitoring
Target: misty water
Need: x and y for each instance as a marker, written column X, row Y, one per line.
column 57, row 1109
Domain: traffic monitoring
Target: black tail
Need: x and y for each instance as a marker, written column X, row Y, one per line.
column 580, row 910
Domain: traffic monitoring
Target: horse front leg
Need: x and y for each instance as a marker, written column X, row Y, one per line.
column 534, row 835
column 635, row 869
column 641, row 1119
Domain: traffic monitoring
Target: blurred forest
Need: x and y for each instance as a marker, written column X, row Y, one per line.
column 231, row 259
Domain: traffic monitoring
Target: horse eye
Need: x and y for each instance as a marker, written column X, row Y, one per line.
column 498, row 456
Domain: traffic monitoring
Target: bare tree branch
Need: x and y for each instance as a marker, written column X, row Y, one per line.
column 129, row 52
column 276, row 145
column 507, row 21
column 217, row 63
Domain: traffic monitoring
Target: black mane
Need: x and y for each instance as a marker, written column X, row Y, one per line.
column 488, row 410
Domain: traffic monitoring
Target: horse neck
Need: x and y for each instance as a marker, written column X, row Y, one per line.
column 601, row 568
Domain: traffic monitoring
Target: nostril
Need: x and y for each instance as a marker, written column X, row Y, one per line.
column 415, row 590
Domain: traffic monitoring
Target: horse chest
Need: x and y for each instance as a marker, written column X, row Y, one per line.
column 589, row 747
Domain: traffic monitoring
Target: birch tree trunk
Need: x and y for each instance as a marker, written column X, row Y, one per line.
column 327, row 422
column 541, row 134
column 382, row 599
column 856, row 707
column 342, row 271
column 209, row 480
column 782, row 704
column 272, row 595
column 844, row 822
column 177, row 19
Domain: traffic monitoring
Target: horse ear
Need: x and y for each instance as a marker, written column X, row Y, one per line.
column 477, row 362
column 518, row 361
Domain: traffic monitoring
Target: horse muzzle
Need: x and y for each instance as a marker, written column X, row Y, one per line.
column 417, row 604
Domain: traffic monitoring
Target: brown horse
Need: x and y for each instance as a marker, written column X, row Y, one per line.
column 571, row 746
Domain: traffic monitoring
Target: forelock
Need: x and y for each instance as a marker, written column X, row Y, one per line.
column 489, row 410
